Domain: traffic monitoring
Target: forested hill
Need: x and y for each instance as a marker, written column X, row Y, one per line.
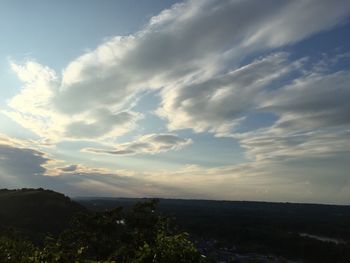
column 36, row 210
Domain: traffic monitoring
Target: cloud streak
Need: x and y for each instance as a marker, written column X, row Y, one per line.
column 146, row 144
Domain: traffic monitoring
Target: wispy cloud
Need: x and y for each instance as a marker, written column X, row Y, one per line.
column 146, row 144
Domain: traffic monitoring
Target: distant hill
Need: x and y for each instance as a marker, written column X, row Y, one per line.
column 36, row 210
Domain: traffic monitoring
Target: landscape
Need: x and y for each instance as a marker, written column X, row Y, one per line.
column 175, row 131
column 39, row 225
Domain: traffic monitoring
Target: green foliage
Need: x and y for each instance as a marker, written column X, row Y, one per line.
column 171, row 249
column 137, row 236
column 14, row 249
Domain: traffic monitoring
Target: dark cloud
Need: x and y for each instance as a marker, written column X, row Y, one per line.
column 25, row 167
column 21, row 166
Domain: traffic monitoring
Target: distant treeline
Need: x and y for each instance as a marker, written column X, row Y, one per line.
column 260, row 227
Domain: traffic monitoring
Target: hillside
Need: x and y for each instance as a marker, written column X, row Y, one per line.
column 36, row 210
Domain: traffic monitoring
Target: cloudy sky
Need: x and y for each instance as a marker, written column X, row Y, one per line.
column 235, row 100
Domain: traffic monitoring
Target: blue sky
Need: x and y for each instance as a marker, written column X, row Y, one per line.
column 236, row 100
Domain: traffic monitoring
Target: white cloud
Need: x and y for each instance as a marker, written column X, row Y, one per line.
column 34, row 109
column 31, row 107
column 180, row 48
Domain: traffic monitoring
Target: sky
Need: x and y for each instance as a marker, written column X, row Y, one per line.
column 209, row 99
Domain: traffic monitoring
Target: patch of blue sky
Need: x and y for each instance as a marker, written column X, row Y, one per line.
column 76, row 145
column 209, row 151
column 9, row 83
column 10, row 127
column 326, row 51
column 256, row 120
column 149, row 101
column 336, row 40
